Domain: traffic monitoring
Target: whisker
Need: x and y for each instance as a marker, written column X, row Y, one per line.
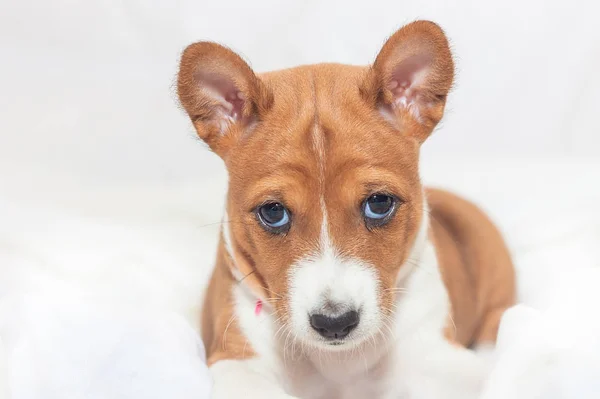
column 231, row 319
column 246, row 276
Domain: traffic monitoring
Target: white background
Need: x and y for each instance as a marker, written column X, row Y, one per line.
column 86, row 87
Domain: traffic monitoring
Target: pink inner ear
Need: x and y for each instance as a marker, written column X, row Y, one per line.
column 407, row 77
column 236, row 99
column 224, row 91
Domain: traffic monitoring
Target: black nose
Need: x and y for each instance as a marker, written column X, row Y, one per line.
column 334, row 327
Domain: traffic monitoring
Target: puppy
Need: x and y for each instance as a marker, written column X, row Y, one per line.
column 338, row 274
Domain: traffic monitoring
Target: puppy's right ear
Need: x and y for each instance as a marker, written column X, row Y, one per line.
column 220, row 93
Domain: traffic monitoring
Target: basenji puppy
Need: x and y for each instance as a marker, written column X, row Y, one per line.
column 338, row 274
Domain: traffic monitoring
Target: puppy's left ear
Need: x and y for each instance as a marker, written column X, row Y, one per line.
column 411, row 78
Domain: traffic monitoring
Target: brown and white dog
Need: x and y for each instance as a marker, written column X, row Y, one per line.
column 338, row 275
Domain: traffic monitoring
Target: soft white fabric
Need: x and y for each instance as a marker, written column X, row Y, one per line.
column 101, row 307
column 62, row 346
column 554, row 354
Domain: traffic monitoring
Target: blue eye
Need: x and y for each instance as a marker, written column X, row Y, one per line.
column 377, row 207
column 274, row 216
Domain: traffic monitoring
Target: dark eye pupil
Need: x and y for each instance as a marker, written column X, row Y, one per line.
column 379, row 203
column 272, row 213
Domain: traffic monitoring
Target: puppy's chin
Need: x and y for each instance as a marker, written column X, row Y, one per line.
column 350, row 343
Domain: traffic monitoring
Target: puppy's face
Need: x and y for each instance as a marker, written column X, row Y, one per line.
column 324, row 201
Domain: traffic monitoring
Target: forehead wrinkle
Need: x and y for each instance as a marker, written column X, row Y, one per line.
column 383, row 180
column 286, row 176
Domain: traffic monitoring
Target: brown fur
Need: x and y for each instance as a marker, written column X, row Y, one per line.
column 476, row 267
column 313, row 133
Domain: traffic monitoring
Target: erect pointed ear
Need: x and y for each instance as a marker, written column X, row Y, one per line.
column 411, row 78
column 220, row 93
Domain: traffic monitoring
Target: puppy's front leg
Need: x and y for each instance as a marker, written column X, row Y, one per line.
column 237, row 379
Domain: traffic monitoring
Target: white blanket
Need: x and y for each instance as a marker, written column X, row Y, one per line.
column 58, row 345
column 99, row 308
column 100, row 290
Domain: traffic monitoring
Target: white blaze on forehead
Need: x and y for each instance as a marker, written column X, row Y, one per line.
column 318, row 144
column 326, row 283
column 319, row 147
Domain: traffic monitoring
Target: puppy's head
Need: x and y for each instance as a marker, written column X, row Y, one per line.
column 324, row 202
